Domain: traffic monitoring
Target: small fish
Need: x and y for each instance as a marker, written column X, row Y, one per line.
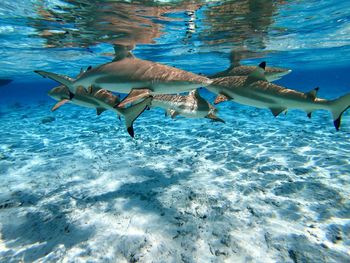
column 255, row 90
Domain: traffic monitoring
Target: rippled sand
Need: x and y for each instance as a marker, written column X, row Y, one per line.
column 76, row 187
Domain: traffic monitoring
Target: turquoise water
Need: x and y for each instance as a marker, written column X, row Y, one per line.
column 77, row 188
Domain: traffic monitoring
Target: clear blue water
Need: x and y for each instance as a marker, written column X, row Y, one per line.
column 75, row 187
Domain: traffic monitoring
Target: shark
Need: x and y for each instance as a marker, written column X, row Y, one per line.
column 255, row 90
column 128, row 73
column 100, row 100
column 236, row 69
column 190, row 106
column 271, row 73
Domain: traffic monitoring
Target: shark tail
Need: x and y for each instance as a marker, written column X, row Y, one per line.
column 64, row 80
column 133, row 112
column 338, row 107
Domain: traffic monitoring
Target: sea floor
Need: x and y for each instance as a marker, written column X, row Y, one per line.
column 75, row 187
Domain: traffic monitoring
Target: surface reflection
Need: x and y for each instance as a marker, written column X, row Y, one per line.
column 84, row 23
column 241, row 26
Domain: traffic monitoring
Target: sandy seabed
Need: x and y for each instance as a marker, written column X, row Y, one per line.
column 76, row 188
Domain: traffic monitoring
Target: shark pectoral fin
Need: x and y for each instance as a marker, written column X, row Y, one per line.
column 277, row 111
column 132, row 113
column 99, row 111
column 221, row 98
column 134, row 95
column 59, row 104
column 214, row 118
column 64, row 80
column 313, row 93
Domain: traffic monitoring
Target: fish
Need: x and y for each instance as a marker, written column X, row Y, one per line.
column 190, row 106
column 100, row 100
column 130, row 73
column 255, row 90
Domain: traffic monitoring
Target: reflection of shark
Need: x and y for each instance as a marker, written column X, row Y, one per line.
column 4, row 82
column 131, row 73
column 100, row 100
column 191, row 106
column 255, row 91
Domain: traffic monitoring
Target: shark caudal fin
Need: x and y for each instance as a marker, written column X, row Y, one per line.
column 338, row 107
column 64, row 80
column 131, row 113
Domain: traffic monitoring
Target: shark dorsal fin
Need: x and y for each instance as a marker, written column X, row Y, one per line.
column 194, row 93
column 82, row 71
column 257, row 74
column 262, row 65
column 123, row 51
column 313, row 93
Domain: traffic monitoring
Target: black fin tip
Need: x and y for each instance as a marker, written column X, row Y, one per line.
column 131, row 131
column 262, row 65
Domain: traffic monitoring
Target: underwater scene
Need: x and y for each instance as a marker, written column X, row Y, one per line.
column 174, row 131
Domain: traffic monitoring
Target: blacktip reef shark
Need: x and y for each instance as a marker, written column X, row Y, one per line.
column 100, row 100
column 255, row 90
column 271, row 73
column 190, row 106
column 236, row 69
column 128, row 74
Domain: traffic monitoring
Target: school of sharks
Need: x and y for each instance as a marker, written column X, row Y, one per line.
column 149, row 84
